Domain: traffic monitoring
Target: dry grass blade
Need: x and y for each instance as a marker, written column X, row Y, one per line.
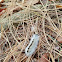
column 20, row 20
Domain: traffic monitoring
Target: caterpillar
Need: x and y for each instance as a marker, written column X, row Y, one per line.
column 30, row 49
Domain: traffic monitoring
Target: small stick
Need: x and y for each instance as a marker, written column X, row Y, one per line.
column 2, row 29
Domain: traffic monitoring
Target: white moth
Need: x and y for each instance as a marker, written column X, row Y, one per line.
column 30, row 49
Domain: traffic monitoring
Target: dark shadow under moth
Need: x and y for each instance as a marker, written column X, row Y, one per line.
column 30, row 49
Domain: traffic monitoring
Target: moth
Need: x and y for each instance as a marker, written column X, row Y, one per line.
column 30, row 49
